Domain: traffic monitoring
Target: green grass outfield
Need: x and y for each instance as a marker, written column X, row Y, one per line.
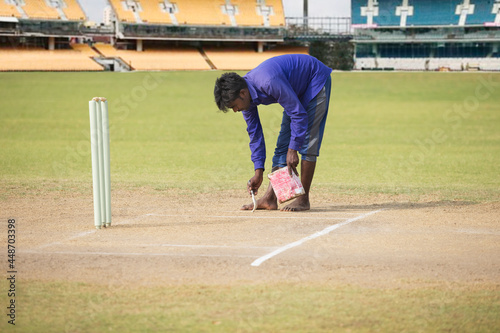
column 76, row 307
column 411, row 133
column 415, row 134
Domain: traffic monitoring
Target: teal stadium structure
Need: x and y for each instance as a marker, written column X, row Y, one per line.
column 426, row 35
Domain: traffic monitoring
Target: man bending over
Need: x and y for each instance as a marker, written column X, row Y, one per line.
column 301, row 84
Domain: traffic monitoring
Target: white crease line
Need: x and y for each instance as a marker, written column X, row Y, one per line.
column 250, row 217
column 210, row 246
column 82, row 234
column 139, row 254
column 85, row 233
column 315, row 235
column 477, row 232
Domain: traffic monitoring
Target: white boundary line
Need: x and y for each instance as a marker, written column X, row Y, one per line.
column 315, row 235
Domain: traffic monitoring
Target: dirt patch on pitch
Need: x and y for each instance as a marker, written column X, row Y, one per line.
column 170, row 237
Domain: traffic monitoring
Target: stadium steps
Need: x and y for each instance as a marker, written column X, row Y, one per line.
column 207, row 59
column 96, row 50
column 114, row 64
column 108, row 56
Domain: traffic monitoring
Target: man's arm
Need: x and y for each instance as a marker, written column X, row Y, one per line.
column 257, row 145
column 255, row 182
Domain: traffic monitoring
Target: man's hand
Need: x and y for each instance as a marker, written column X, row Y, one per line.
column 255, row 182
column 292, row 160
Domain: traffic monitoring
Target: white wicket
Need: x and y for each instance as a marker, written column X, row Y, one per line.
column 101, row 179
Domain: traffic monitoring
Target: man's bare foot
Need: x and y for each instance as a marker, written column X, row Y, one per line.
column 262, row 203
column 298, row 205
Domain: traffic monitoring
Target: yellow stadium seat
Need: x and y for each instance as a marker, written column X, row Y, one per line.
column 177, row 58
column 278, row 19
column 84, row 49
column 106, row 49
column 122, row 14
column 247, row 13
column 40, row 10
column 151, row 12
column 8, row 10
column 249, row 16
column 73, row 11
column 201, row 12
column 38, row 59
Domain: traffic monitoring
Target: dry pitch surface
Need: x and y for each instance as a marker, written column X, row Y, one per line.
column 170, row 238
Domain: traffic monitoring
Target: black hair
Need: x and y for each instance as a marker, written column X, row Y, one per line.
column 227, row 89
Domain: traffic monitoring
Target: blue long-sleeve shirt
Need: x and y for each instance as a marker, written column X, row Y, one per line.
column 291, row 80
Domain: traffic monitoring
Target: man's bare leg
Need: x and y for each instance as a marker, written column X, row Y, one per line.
column 268, row 201
column 302, row 203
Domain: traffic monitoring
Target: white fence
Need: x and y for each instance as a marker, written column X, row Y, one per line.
column 431, row 64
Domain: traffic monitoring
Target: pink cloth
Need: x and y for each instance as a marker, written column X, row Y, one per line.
column 284, row 186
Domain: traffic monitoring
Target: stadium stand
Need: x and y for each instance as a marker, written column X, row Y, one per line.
column 201, row 12
column 151, row 12
column 173, row 58
column 430, row 12
column 451, row 34
column 78, row 58
column 423, row 12
column 84, row 49
column 8, row 10
column 38, row 9
column 263, row 13
column 123, row 15
column 356, row 17
column 244, row 57
column 482, row 13
column 73, row 11
column 383, row 18
column 147, row 35
column 65, row 10
column 106, row 49
column 278, row 19
column 247, row 15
